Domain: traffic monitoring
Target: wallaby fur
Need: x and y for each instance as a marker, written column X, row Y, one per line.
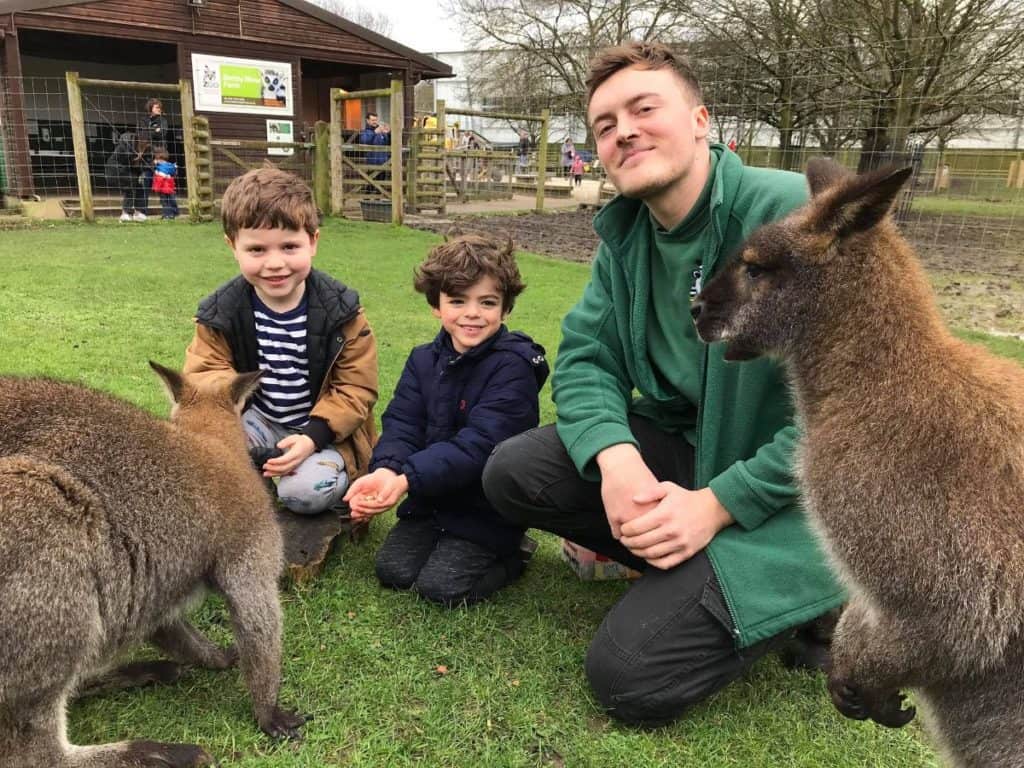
column 911, row 462
column 111, row 521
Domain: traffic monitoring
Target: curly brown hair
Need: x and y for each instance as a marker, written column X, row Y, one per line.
column 463, row 260
column 645, row 54
column 268, row 198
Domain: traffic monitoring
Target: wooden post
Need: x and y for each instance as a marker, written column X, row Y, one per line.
column 81, row 148
column 542, row 158
column 337, row 189
column 442, row 124
column 397, row 129
column 322, row 166
column 19, row 166
column 412, row 175
column 191, row 156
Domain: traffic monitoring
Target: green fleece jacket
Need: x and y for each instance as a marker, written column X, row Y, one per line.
column 769, row 564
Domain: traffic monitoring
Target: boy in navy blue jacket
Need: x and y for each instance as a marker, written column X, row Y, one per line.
column 475, row 385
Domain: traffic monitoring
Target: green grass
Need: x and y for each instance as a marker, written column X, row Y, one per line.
column 937, row 205
column 93, row 303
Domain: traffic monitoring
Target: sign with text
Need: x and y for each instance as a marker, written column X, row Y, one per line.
column 245, row 86
column 278, row 132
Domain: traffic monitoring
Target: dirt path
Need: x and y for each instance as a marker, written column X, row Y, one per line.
column 976, row 265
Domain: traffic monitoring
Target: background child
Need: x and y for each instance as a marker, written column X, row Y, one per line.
column 164, row 172
column 577, row 169
column 476, row 384
column 304, row 329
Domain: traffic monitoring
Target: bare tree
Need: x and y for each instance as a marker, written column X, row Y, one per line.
column 375, row 21
column 921, row 66
column 553, row 41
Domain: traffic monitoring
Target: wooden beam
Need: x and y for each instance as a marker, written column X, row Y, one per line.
column 322, row 166
column 126, row 85
column 19, row 167
column 337, row 94
column 81, row 148
column 397, row 129
column 495, row 115
column 189, row 135
column 337, row 193
column 542, row 158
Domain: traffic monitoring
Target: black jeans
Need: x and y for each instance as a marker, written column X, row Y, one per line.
column 668, row 643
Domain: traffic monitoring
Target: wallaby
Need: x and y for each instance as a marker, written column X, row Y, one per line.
column 111, row 522
column 911, row 462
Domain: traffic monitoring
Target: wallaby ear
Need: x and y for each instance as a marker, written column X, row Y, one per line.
column 860, row 203
column 243, row 386
column 824, row 172
column 171, row 380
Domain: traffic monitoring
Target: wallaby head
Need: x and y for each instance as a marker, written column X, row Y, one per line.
column 789, row 275
column 207, row 407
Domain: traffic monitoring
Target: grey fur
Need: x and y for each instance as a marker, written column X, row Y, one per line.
column 111, row 521
column 911, row 463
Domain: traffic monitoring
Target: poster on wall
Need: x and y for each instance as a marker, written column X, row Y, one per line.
column 244, row 86
column 278, row 132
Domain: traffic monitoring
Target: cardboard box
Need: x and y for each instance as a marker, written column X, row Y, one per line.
column 591, row 566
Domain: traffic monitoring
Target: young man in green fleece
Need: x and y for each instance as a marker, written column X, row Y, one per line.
column 692, row 481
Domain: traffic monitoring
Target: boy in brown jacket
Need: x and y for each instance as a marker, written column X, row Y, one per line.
column 304, row 330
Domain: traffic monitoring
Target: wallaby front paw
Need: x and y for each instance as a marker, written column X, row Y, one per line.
column 228, row 658
column 283, row 724
column 885, row 708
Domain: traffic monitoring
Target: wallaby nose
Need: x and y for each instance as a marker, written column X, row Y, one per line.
column 695, row 308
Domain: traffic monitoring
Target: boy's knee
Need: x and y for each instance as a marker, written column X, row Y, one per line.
column 626, row 691
column 432, row 585
column 310, row 498
column 395, row 572
column 501, row 476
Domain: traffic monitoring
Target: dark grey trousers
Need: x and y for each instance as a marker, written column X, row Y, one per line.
column 668, row 643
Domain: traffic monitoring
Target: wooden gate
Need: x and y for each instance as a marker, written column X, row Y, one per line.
column 360, row 179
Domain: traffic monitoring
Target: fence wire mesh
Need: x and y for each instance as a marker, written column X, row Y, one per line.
column 960, row 128
column 38, row 151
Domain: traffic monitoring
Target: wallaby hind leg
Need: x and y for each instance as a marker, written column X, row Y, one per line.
column 133, row 675
column 186, row 644
column 33, row 735
column 251, row 593
column 32, row 730
column 137, row 754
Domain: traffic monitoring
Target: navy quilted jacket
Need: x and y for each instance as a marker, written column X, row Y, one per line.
column 448, row 413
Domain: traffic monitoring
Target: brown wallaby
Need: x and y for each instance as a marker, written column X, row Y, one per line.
column 111, row 521
column 911, row 462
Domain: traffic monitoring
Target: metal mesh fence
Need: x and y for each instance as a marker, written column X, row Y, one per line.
column 776, row 107
column 38, row 152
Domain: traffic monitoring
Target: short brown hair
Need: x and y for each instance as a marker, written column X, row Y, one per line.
column 152, row 103
column 160, row 154
column 645, row 55
column 268, row 198
column 462, row 261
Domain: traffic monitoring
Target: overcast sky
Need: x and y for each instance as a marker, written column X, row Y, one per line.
column 421, row 25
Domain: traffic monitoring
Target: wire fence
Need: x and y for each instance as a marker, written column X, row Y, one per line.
column 38, row 151
column 966, row 197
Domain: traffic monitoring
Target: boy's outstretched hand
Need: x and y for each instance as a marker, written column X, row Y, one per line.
column 297, row 448
column 376, row 492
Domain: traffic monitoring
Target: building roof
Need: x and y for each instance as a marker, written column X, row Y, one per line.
column 431, row 66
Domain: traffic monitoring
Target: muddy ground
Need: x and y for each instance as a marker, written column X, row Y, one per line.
column 976, row 265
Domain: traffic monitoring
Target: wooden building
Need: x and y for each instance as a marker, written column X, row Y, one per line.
column 162, row 41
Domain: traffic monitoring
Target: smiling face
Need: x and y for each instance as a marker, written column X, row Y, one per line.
column 276, row 262
column 473, row 316
column 651, row 138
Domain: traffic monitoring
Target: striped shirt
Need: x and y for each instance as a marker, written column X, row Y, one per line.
column 284, row 396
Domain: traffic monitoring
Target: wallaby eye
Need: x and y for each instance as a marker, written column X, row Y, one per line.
column 753, row 271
